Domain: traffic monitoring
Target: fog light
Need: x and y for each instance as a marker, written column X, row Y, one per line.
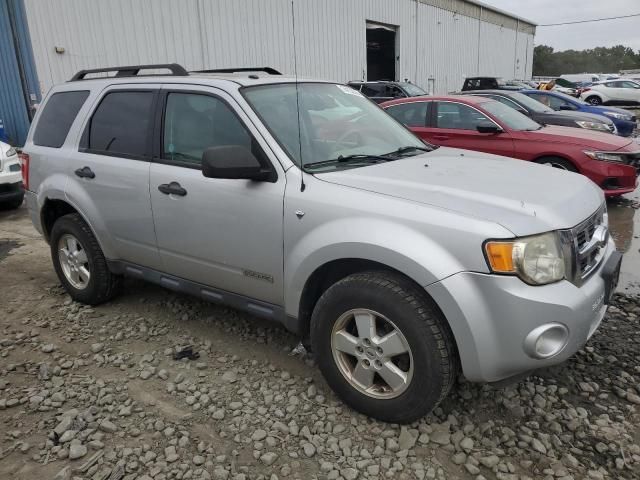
column 546, row 340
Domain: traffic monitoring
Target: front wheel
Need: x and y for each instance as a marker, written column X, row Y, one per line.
column 383, row 346
column 557, row 162
column 593, row 100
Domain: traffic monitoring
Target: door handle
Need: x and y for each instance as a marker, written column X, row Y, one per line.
column 173, row 188
column 85, row 172
column 441, row 137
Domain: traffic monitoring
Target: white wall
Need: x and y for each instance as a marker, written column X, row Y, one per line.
column 330, row 38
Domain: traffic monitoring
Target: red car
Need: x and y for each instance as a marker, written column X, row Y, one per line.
column 485, row 125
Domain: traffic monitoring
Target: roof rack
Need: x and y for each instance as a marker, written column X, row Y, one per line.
column 269, row 70
column 133, row 70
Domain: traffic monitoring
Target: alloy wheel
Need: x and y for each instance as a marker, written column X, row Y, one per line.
column 74, row 261
column 372, row 353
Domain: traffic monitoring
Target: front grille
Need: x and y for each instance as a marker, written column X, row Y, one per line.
column 587, row 242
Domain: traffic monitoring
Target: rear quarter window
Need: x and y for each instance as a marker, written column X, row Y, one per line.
column 56, row 118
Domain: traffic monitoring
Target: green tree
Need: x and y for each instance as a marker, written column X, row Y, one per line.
column 547, row 62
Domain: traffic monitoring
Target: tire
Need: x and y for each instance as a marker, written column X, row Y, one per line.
column 557, row 162
column 430, row 366
column 100, row 285
column 594, row 100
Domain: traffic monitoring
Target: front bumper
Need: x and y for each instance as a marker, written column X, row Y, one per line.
column 491, row 317
column 613, row 178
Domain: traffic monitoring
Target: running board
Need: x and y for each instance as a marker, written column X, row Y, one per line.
column 255, row 307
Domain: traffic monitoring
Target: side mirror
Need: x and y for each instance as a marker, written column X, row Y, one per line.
column 564, row 107
column 233, row 162
column 488, row 127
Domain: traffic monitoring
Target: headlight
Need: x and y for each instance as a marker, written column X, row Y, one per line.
column 601, row 127
column 537, row 260
column 607, row 156
column 619, row 116
column 11, row 152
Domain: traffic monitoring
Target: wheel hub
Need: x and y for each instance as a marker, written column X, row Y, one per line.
column 372, row 353
column 73, row 261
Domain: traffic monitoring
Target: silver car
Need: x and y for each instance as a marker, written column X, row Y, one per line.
column 398, row 262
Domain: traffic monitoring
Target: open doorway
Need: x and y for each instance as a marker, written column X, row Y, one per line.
column 381, row 52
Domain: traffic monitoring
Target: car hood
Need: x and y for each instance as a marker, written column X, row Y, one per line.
column 603, row 109
column 581, row 116
column 575, row 136
column 523, row 197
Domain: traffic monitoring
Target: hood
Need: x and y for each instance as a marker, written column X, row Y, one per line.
column 604, row 109
column 582, row 116
column 523, row 197
column 576, row 136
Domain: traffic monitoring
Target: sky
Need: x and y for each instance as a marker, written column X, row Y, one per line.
column 582, row 36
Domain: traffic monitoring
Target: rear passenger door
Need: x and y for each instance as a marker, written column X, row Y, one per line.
column 109, row 173
column 224, row 233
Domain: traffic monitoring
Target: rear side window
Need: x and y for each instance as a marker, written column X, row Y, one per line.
column 120, row 124
column 412, row 114
column 55, row 121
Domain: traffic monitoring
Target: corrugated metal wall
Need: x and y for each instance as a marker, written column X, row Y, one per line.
column 18, row 81
column 330, row 38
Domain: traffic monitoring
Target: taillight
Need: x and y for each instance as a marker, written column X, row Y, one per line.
column 24, row 167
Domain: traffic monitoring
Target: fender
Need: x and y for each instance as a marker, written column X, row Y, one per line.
column 394, row 245
column 75, row 195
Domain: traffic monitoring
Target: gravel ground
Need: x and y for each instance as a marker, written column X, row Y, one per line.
column 95, row 393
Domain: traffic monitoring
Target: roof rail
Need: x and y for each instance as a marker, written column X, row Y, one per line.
column 133, row 70
column 269, row 70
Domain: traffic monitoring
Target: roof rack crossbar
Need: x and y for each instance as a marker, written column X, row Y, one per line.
column 133, row 70
column 269, row 70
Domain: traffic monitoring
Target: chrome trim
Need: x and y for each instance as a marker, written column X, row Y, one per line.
column 584, row 246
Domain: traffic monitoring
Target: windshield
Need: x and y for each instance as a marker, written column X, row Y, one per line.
column 569, row 98
column 334, row 122
column 530, row 103
column 509, row 117
column 412, row 90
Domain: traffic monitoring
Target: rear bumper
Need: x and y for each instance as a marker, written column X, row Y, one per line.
column 34, row 210
column 11, row 191
column 494, row 318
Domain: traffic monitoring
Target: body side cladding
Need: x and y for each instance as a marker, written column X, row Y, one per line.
column 256, row 307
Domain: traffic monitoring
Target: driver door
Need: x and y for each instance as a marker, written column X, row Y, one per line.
column 455, row 125
column 221, row 233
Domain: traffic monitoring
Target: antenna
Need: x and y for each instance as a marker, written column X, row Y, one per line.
column 295, row 72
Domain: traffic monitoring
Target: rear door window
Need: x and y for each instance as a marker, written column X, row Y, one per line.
column 412, row 114
column 55, row 120
column 121, row 123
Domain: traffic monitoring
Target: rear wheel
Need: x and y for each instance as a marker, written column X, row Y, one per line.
column 594, row 100
column 557, row 162
column 383, row 346
column 79, row 261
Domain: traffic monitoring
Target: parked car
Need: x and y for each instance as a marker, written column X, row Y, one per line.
column 565, row 86
column 624, row 120
column 581, row 77
column 486, row 125
column 11, row 191
column 612, row 92
column 397, row 262
column 382, row 91
column 488, row 83
column 546, row 115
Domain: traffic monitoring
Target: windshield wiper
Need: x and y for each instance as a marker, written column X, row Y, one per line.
column 408, row 148
column 356, row 157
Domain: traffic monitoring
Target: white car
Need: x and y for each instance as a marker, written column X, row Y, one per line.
column 11, row 190
column 612, row 92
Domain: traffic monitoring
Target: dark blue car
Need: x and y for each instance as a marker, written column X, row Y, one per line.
column 624, row 120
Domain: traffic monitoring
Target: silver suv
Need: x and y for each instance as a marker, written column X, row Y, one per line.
column 399, row 263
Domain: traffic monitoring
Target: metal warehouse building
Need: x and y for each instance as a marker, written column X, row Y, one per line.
column 433, row 43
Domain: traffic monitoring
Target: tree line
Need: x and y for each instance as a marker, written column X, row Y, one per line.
column 547, row 62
